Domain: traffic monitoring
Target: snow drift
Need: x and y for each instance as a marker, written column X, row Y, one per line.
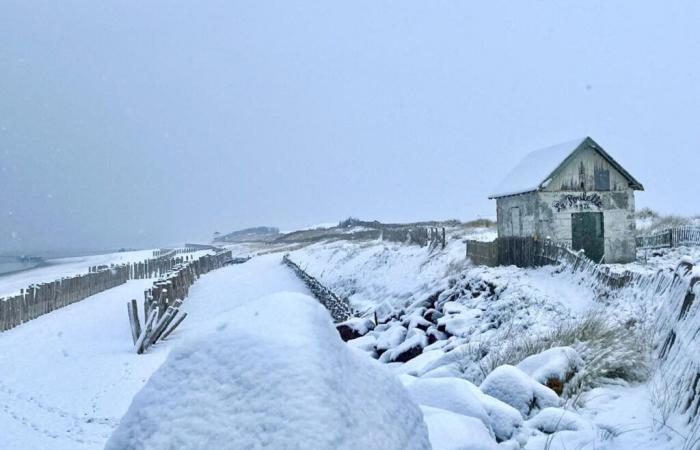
column 274, row 375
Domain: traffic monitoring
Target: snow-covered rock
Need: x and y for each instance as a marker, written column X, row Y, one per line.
column 449, row 394
column 462, row 323
column 416, row 320
column 552, row 420
column 452, row 431
column 514, row 387
column 504, row 419
column 411, row 347
column 366, row 343
column 354, row 328
column 274, row 374
column 391, row 337
column 462, row 397
column 552, row 367
column 416, row 365
column 432, row 315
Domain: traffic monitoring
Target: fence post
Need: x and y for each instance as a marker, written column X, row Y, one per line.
column 670, row 237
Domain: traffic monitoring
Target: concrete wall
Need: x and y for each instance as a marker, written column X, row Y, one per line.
column 548, row 215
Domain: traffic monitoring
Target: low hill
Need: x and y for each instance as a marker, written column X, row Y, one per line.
column 255, row 234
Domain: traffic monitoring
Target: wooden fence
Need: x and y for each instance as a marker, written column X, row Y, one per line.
column 339, row 307
column 510, row 251
column 188, row 248
column 42, row 298
column 483, row 253
column 677, row 339
column 671, row 237
column 530, row 252
column 161, row 303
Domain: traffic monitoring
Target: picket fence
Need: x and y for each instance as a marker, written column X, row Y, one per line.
column 670, row 237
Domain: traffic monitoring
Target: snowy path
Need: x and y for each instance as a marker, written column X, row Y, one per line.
column 67, row 377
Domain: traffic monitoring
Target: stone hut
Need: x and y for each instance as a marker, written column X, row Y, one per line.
column 574, row 193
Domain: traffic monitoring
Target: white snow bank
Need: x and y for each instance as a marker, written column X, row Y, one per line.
column 514, row 387
column 274, row 374
column 449, row 394
column 451, row 431
column 556, row 362
column 462, row 397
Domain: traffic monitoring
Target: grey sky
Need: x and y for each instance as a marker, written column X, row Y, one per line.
column 131, row 123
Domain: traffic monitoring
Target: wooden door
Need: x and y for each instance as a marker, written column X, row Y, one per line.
column 588, row 234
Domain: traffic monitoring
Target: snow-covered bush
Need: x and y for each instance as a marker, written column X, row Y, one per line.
column 649, row 221
column 515, row 388
column 274, row 374
column 609, row 350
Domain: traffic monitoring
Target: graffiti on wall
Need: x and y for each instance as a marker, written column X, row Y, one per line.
column 579, row 202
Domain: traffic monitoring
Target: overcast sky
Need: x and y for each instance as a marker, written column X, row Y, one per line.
column 138, row 123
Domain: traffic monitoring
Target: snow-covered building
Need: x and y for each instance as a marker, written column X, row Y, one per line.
column 574, row 193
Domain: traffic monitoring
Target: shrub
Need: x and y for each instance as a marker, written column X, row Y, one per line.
column 480, row 223
column 609, row 351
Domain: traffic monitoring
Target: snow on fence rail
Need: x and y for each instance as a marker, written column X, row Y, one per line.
column 670, row 237
column 161, row 304
column 188, row 248
column 339, row 307
column 42, row 298
column 152, row 267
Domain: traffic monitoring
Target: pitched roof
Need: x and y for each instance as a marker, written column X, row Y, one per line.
column 538, row 167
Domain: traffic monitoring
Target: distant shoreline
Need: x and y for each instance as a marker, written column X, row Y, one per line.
column 16, row 271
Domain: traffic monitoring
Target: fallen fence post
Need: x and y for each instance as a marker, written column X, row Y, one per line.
column 175, row 325
column 144, row 333
column 134, row 320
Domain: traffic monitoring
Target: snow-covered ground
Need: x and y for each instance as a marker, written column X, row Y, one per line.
column 377, row 272
column 432, row 300
column 67, row 377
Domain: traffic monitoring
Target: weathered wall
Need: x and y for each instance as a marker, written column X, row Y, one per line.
column 618, row 217
column 588, row 171
column 527, row 205
column 548, row 215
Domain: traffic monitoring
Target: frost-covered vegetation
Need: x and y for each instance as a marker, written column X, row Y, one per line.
column 650, row 221
column 592, row 347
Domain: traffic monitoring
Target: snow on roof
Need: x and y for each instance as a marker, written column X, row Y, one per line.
column 535, row 168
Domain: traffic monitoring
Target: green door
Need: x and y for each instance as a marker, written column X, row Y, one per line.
column 588, row 234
